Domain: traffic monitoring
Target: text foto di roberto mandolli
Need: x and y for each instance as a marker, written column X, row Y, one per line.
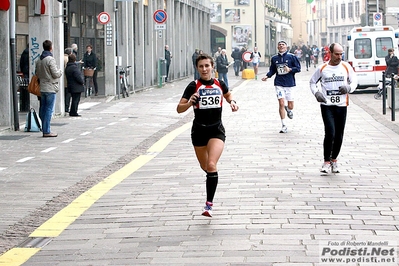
column 352, row 252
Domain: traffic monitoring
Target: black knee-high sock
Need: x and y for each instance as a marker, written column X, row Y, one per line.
column 211, row 184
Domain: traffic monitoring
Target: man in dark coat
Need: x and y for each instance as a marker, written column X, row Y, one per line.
column 194, row 59
column 392, row 63
column 236, row 54
column 75, row 83
column 24, row 62
column 168, row 58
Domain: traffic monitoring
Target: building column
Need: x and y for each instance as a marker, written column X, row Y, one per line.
column 5, row 79
column 43, row 27
column 109, row 51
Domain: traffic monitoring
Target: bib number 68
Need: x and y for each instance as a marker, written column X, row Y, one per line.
column 335, row 99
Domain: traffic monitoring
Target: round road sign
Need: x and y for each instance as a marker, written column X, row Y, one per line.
column 160, row 16
column 246, row 56
column 377, row 16
column 103, row 17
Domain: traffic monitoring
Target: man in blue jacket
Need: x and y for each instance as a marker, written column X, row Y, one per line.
column 284, row 65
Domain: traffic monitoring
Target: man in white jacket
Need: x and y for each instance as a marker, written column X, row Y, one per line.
column 337, row 80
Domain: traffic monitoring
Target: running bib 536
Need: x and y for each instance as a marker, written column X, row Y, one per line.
column 209, row 98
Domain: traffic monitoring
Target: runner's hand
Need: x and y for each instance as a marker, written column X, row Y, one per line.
column 344, row 89
column 320, row 97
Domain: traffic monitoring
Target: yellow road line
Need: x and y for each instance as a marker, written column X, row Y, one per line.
column 17, row 256
column 54, row 226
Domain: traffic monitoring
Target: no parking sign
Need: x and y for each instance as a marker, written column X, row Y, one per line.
column 160, row 16
column 377, row 17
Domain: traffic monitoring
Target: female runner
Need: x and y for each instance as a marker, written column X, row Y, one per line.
column 205, row 95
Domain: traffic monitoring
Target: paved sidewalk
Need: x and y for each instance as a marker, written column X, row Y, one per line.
column 272, row 206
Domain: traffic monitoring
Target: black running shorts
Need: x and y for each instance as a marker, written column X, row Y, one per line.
column 200, row 134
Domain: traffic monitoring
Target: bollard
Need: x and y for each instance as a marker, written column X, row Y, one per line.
column 161, row 71
column 393, row 97
column 384, row 95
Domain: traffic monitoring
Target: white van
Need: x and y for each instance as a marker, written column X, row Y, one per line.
column 366, row 51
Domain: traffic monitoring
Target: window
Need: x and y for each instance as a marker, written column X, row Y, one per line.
column 357, row 9
column 342, row 11
column 382, row 45
column 331, row 13
column 350, row 10
column 22, row 14
column 362, row 48
column 336, row 12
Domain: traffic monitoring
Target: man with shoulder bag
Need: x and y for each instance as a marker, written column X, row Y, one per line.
column 49, row 74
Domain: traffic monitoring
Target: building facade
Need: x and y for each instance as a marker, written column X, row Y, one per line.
column 331, row 21
column 133, row 36
column 250, row 23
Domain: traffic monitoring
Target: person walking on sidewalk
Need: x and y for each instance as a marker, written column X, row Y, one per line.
column 75, row 83
column 206, row 95
column 284, row 65
column 337, row 79
column 49, row 75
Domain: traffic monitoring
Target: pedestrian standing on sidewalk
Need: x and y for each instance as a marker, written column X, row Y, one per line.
column 67, row 94
column 206, row 95
column 75, row 83
column 223, row 67
column 49, row 75
column 337, row 79
column 90, row 62
column 168, row 58
column 236, row 55
column 392, row 63
column 194, row 59
column 284, row 65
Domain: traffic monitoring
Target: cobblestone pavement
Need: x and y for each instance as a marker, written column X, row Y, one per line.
column 121, row 185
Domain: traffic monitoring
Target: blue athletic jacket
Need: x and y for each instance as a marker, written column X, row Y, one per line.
column 278, row 61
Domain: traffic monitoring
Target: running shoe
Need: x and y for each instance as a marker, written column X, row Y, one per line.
column 208, row 209
column 290, row 114
column 334, row 167
column 284, row 129
column 326, row 167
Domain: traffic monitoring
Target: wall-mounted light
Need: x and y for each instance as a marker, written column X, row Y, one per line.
column 243, row 11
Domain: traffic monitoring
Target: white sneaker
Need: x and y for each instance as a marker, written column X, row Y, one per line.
column 284, row 129
column 334, row 167
column 290, row 114
column 326, row 167
column 207, row 209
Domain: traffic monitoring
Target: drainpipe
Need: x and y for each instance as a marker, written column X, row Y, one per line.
column 13, row 66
